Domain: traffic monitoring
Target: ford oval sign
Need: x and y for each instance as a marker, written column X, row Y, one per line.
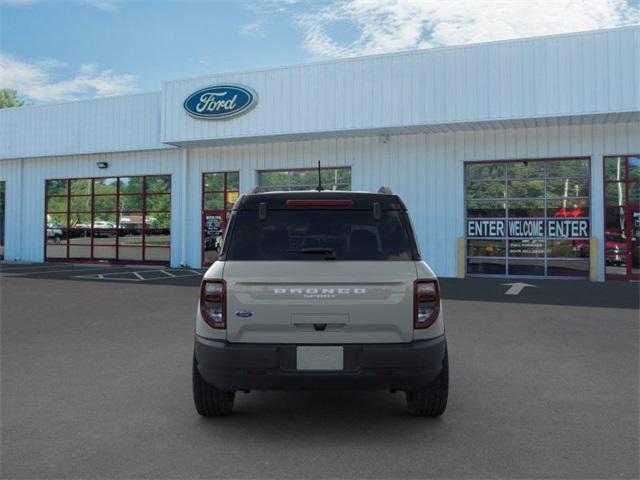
column 220, row 102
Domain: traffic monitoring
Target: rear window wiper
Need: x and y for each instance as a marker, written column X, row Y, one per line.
column 330, row 253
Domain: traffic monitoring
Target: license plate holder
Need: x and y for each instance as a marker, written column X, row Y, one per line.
column 320, row 358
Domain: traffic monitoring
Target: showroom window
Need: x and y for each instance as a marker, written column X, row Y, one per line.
column 528, row 218
column 2, row 187
column 220, row 190
column 119, row 219
column 334, row 178
column 622, row 217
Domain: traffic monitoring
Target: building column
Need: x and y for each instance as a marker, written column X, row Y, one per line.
column 597, row 211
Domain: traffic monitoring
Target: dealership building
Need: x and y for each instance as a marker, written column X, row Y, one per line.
column 517, row 158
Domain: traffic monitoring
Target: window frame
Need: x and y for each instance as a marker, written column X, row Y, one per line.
column 117, row 213
column 627, row 206
column 506, row 199
column 225, row 210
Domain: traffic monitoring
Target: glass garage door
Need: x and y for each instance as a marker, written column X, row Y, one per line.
column 622, row 217
column 528, row 218
column 2, row 186
column 116, row 219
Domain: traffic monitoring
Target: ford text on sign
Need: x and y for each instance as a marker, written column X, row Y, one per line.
column 525, row 228
column 220, row 101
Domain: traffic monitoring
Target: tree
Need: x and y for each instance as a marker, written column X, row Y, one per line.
column 8, row 98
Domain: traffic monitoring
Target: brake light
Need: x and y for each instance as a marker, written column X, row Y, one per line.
column 426, row 303
column 319, row 203
column 213, row 301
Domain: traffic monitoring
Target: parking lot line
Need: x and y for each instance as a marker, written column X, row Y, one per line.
column 138, row 276
column 59, row 270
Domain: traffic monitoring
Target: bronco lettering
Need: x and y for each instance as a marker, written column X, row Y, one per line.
column 319, row 291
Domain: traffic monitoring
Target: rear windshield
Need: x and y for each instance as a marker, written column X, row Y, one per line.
column 318, row 235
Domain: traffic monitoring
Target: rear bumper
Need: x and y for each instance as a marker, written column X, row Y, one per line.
column 404, row 366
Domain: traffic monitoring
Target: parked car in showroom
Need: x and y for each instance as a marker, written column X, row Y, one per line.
column 320, row 290
column 103, row 228
column 54, row 232
column 80, row 230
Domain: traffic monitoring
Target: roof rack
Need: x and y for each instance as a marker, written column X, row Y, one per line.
column 385, row 190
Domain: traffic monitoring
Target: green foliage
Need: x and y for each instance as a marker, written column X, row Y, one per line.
column 159, row 184
column 332, row 179
column 158, row 203
column 8, row 98
column 214, row 182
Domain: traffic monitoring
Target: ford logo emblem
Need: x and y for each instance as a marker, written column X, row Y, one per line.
column 244, row 314
column 220, row 102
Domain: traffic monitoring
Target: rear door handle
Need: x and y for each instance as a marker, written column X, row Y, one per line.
column 319, row 327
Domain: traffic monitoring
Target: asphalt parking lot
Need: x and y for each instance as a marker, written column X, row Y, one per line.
column 96, row 384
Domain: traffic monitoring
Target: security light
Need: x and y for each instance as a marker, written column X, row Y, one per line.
column 102, row 164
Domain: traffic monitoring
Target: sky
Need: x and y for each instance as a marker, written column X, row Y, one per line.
column 54, row 50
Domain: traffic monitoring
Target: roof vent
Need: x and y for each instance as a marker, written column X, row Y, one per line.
column 385, row 190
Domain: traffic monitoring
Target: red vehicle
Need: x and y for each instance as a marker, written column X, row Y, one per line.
column 569, row 212
column 615, row 247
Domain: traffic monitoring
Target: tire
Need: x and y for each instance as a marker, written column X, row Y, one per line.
column 431, row 402
column 209, row 401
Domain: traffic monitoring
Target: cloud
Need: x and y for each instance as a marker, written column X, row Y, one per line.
column 269, row 7
column 252, row 29
column 390, row 25
column 34, row 80
column 264, row 11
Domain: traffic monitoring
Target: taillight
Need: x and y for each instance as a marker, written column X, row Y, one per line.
column 426, row 303
column 213, row 303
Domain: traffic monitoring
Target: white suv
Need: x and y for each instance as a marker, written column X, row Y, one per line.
column 317, row 290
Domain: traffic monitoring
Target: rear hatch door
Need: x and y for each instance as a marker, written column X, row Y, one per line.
column 319, row 302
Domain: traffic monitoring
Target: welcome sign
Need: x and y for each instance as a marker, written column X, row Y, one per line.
column 528, row 228
column 220, row 102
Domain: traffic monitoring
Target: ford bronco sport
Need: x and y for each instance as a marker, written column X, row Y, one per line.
column 320, row 289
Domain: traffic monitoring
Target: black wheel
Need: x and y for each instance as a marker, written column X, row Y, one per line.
column 209, row 401
column 431, row 402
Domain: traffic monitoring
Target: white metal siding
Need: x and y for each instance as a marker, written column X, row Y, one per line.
column 11, row 174
column 425, row 169
column 25, row 197
column 112, row 124
column 592, row 76
column 557, row 76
